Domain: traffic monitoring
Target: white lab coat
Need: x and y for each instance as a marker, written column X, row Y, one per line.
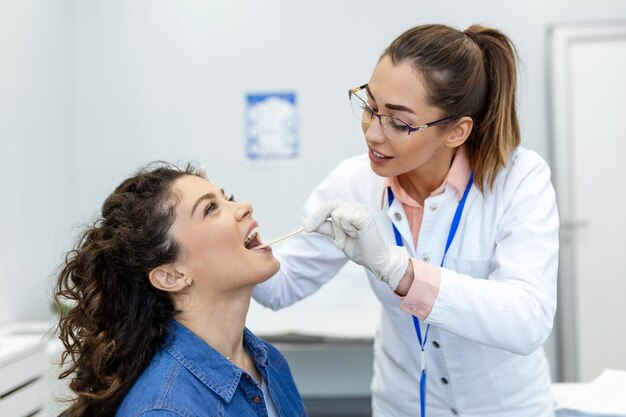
column 495, row 306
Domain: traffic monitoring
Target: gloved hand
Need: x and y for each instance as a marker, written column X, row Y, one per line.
column 354, row 231
column 200, row 171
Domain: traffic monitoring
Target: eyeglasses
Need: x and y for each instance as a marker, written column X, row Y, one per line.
column 394, row 128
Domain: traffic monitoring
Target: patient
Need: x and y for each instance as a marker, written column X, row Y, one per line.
column 160, row 288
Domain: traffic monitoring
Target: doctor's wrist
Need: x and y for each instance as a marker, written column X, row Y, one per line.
column 396, row 267
column 405, row 283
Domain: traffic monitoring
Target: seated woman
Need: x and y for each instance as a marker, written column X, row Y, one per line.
column 161, row 286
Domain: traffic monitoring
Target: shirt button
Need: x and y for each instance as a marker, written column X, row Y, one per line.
column 435, row 344
column 246, row 376
column 426, row 258
column 397, row 216
column 256, row 399
column 444, row 380
column 434, row 207
column 454, row 411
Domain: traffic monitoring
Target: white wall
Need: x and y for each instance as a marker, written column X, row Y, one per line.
column 156, row 79
column 35, row 152
column 165, row 80
column 92, row 89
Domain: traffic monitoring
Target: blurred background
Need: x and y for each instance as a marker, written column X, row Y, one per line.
column 92, row 90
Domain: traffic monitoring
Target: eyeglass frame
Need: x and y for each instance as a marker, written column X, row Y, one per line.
column 380, row 116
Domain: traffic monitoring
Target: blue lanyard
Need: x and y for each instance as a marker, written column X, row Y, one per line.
column 416, row 323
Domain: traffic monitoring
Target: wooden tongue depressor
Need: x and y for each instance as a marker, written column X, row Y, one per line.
column 288, row 235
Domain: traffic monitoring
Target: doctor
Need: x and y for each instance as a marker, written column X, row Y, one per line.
column 455, row 223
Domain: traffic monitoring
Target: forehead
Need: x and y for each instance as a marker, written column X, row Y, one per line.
column 394, row 83
column 189, row 188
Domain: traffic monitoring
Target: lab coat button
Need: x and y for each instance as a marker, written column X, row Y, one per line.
column 256, row 399
column 434, row 207
column 397, row 216
column 444, row 380
column 435, row 344
column 426, row 258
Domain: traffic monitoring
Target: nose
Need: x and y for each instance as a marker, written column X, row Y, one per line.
column 243, row 210
column 374, row 131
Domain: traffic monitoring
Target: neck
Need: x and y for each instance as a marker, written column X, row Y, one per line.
column 219, row 320
column 420, row 183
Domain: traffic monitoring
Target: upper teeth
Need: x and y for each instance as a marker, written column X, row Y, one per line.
column 380, row 155
column 253, row 233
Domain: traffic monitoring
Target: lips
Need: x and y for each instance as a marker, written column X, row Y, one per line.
column 378, row 157
column 378, row 154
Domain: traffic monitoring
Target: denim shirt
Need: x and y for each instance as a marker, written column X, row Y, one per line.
column 188, row 378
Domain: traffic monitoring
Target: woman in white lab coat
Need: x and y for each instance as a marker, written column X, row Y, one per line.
column 456, row 224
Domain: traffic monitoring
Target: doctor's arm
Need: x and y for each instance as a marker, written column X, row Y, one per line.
column 511, row 309
column 307, row 262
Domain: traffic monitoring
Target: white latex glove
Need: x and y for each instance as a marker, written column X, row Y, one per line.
column 200, row 171
column 354, row 231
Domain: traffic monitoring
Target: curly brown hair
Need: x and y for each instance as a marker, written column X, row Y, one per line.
column 119, row 319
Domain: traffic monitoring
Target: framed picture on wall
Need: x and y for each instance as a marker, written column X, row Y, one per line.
column 272, row 130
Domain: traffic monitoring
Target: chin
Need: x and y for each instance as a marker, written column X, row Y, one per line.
column 276, row 267
column 270, row 270
column 381, row 172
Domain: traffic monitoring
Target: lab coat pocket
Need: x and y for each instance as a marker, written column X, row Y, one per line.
column 476, row 268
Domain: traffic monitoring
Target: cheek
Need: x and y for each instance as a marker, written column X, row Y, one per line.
column 412, row 155
column 211, row 244
column 419, row 148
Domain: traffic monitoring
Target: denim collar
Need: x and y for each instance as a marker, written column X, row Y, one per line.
column 208, row 365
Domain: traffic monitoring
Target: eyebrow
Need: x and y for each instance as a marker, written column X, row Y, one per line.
column 390, row 106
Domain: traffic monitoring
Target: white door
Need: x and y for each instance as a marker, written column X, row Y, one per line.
column 589, row 157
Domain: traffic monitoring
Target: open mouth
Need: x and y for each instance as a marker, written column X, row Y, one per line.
column 253, row 239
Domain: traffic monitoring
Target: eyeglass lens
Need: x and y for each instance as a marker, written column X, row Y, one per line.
column 394, row 128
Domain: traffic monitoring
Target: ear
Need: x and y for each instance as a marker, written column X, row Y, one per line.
column 458, row 134
column 167, row 278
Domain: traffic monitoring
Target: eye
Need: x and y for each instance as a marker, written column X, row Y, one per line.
column 398, row 125
column 231, row 197
column 211, row 207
